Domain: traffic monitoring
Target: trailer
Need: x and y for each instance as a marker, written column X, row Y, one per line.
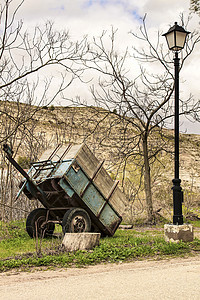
column 75, row 191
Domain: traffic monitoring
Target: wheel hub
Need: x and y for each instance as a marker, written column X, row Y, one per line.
column 78, row 224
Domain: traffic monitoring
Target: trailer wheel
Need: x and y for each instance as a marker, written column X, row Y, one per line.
column 76, row 220
column 35, row 225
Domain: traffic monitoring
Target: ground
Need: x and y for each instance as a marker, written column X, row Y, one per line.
column 149, row 279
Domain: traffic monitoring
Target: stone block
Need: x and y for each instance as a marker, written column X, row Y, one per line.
column 177, row 233
column 124, row 227
column 80, row 241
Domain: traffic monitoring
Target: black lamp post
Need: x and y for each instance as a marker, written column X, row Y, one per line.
column 176, row 37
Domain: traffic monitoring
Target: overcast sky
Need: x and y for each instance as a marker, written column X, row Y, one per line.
column 82, row 17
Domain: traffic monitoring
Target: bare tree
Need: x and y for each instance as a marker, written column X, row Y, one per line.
column 24, row 87
column 141, row 106
column 24, row 55
column 195, row 6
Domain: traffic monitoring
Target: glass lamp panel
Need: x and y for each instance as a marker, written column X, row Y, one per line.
column 170, row 40
column 180, row 39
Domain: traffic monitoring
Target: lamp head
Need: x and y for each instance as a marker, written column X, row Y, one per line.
column 176, row 37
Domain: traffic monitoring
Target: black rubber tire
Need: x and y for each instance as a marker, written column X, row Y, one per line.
column 34, row 222
column 76, row 220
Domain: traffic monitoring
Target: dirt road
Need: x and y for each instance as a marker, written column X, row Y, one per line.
column 167, row 279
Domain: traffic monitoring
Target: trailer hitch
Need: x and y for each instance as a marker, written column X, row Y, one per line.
column 9, row 154
column 29, row 183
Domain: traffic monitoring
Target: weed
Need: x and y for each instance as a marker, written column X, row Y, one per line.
column 18, row 250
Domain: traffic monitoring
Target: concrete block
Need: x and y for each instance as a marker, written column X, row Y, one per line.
column 125, row 227
column 80, row 241
column 177, row 233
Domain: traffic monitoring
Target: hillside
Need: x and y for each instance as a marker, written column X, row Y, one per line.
column 78, row 124
column 103, row 133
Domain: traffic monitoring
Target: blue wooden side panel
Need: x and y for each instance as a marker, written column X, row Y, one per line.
column 90, row 195
column 53, row 170
column 78, row 180
column 61, row 169
column 66, row 187
column 108, row 217
column 93, row 199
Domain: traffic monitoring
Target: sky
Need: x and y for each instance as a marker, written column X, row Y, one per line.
column 91, row 17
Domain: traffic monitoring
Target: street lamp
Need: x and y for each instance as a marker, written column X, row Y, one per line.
column 176, row 37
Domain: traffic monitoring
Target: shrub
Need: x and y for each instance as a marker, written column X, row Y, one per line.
column 24, row 162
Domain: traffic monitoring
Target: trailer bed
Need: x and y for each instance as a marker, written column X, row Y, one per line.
column 75, row 190
column 84, row 179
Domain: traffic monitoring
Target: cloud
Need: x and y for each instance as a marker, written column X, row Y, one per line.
column 91, row 17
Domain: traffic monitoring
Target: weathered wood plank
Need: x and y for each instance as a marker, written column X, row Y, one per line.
column 104, row 182
column 87, row 161
column 118, row 201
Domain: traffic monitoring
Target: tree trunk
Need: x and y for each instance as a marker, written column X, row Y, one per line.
column 147, row 182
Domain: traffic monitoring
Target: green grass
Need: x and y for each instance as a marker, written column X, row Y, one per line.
column 19, row 251
column 15, row 241
column 195, row 223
